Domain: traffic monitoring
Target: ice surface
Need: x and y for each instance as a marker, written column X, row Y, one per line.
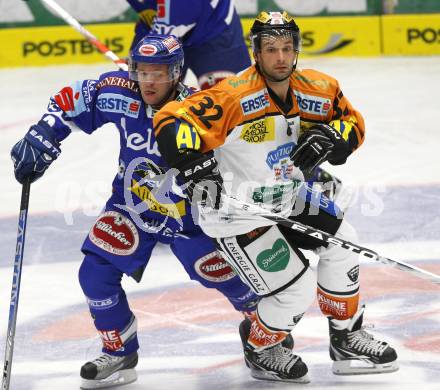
column 188, row 334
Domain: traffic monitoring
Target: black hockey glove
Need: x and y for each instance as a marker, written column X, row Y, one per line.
column 33, row 154
column 200, row 173
column 318, row 144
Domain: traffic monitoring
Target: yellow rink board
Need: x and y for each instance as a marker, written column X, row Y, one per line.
column 321, row 36
column 36, row 46
column 336, row 36
column 411, row 34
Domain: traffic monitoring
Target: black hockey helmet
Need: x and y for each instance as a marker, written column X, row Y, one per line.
column 275, row 24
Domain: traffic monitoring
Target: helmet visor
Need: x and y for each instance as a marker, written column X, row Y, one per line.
column 151, row 73
column 269, row 36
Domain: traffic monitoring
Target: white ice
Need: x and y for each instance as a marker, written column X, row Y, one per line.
column 188, row 335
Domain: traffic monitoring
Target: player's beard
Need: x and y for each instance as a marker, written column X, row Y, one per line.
column 274, row 77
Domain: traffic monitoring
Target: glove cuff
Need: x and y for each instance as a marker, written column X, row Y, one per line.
column 42, row 137
column 195, row 165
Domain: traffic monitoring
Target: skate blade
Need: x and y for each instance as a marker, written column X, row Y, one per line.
column 357, row 367
column 264, row 375
column 119, row 378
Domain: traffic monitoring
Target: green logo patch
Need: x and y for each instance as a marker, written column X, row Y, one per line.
column 274, row 194
column 275, row 259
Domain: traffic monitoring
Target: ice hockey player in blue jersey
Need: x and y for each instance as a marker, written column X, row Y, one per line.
column 211, row 33
column 137, row 216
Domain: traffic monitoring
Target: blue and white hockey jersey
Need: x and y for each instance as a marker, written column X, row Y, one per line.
column 89, row 104
column 193, row 21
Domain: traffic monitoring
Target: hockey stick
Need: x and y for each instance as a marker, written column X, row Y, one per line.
column 327, row 238
column 85, row 33
column 16, row 278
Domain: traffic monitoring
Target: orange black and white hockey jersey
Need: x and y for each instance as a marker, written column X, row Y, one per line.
column 252, row 136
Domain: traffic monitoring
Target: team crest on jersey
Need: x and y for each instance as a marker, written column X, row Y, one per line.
column 280, row 162
column 213, row 268
column 150, row 172
column 155, row 200
column 256, row 102
column 259, row 131
column 312, row 104
column 115, row 233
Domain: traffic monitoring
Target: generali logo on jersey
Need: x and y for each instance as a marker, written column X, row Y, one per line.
column 256, row 102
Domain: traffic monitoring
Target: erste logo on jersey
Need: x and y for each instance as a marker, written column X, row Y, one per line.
column 311, row 104
column 113, row 102
column 259, row 131
column 213, row 268
column 256, row 102
column 115, row 233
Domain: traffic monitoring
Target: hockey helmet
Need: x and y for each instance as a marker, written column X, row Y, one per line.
column 157, row 49
column 274, row 24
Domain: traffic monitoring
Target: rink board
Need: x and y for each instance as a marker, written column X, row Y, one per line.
column 363, row 36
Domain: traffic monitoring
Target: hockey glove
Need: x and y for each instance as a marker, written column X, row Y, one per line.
column 200, row 173
column 318, row 144
column 33, row 154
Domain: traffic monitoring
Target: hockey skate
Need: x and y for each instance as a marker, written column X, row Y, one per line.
column 356, row 352
column 109, row 371
column 245, row 330
column 276, row 363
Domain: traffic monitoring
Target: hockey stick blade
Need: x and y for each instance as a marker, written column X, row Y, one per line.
column 327, row 238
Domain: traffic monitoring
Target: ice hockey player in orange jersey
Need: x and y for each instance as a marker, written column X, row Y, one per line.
column 255, row 137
